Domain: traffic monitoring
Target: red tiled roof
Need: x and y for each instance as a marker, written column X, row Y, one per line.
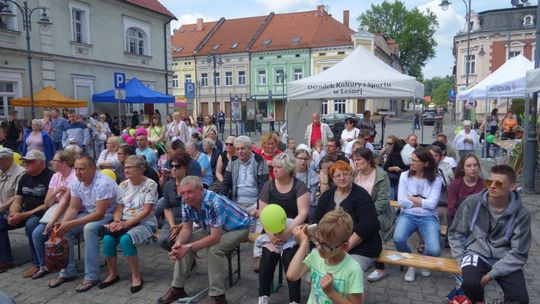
column 153, row 5
column 312, row 29
column 186, row 39
column 233, row 36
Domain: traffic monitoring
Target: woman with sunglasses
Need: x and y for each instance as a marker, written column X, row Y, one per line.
column 224, row 158
column 394, row 164
column 57, row 199
column 293, row 195
column 467, row 181
column 365, row 243
column 172, row 200
column 418, row 197
column 375, row 181
column 350, row 133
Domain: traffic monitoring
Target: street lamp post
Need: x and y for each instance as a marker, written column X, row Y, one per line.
column 444, row 6
column 214, row 60
column 26, row 14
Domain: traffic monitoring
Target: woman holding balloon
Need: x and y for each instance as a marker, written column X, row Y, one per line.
column 293, row 196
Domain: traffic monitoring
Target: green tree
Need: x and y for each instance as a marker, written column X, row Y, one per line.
column 412, row 29
column 433, row 83
column 440, row 94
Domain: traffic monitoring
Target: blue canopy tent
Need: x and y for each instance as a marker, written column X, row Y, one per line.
column 136, row 92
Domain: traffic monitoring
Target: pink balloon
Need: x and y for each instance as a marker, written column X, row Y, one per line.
column 141, row 131
column 130, row 141
column 125, row 137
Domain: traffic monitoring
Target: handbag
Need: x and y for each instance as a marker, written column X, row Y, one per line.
column 107, row 231
column 47, row 217
column 56, row 252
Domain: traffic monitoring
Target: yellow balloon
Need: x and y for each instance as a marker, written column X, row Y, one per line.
column 110, row 173
column 17, row 158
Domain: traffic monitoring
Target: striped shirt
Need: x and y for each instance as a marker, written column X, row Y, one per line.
column 217, row 211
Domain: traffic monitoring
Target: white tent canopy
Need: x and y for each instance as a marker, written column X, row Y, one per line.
column 359, row 75
column 532, row 81
column 506, row 82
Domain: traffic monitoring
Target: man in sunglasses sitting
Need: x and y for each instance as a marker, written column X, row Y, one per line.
column 491, row 236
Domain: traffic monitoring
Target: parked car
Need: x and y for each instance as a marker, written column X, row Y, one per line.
column 428, row 116
column 336, row 121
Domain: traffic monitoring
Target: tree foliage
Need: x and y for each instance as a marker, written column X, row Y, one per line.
column 431, row 84
column 440, row 95
column 412, row 29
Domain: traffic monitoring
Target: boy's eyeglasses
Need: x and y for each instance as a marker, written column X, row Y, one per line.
column 490, row 182
column 176, row 166
column 325, row 248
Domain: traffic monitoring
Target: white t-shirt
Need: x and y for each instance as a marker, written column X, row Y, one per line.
column 134, row 197
column 406, row 154
column 348, row 148
column 352, row 134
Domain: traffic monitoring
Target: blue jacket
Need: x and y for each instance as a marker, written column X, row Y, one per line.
column 48, row 146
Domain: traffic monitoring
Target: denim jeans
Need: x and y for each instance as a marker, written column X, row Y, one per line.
column 39, row 243
column 5, row 246
column 91, row 248
column 427, row 225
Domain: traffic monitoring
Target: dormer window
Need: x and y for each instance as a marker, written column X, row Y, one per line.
column 267, row 42
column 234, row 45
column 216, row 47
column 296, row 39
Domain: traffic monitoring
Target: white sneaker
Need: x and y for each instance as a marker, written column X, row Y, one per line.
column 425, row 272
column 375, row 276
column 409, row 275
column 263, row 300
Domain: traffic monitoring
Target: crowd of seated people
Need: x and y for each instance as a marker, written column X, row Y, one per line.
column 202, row 194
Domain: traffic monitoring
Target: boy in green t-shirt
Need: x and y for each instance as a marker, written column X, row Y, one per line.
column 335, row 276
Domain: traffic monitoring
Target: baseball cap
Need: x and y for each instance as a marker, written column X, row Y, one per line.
column 34, row 155
column 5, row 152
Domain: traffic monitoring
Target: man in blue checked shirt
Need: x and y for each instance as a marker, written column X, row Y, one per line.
column 223, row 227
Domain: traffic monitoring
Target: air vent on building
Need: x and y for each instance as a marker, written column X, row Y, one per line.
column 178, row 50
column 261, row 58
column 297, row 55
column 216, row 46
column 234, row 45
column 341, row 53
column 267, row 42
column 322, row 54
column 278, row 56
column 296, row 39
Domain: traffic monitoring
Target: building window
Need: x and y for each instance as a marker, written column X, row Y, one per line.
column 472, row 64
column 136, row 41
column 261, row 77
column 324, row 107
column 187, row 78
column 228, row 78
column 279, row 76
column 216, row 79
column 79, row 22
column 513, row 54
column 339, row 106
column 175, row 81
column 241, row 77
column 204, row 79
column 298, row 74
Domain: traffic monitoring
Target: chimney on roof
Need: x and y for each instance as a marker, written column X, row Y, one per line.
column 199, row 24
column 346, row 18
column 320, row 10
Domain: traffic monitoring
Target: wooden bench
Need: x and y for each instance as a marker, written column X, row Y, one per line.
column 444, row 228
column 418, row 261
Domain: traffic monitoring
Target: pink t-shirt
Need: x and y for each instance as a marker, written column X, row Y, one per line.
column 58, row 181
column 34, row 142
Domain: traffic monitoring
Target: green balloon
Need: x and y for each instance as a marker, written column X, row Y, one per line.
column 490, row 138
column 131, row 132
column 273, row 218
column 121, row 140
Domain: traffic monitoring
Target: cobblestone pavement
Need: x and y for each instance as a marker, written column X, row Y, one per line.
column 156, row 269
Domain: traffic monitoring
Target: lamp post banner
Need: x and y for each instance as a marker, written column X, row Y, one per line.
column 236, row 109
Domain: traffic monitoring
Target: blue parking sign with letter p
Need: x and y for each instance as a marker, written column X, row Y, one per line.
column 119, row 80
column 189, row 88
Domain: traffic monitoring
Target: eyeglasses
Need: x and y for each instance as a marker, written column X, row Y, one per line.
column 176, row 166
column 490, row 182
column 302, row 158
column 325, row 248
column 341, row 175
column 229, row 144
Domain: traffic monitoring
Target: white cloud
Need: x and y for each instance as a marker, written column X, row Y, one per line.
column 287, row 5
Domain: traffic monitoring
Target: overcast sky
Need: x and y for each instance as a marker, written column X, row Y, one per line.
column 450, row 21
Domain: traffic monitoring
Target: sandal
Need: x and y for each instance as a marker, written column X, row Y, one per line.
column 59, row 281
column 85, row 286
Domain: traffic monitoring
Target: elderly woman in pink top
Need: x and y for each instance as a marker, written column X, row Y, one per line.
column 37, row 139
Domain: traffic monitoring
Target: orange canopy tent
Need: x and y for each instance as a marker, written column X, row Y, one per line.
column 49, row 98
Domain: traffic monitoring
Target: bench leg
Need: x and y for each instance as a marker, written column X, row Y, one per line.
column 231, row 271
